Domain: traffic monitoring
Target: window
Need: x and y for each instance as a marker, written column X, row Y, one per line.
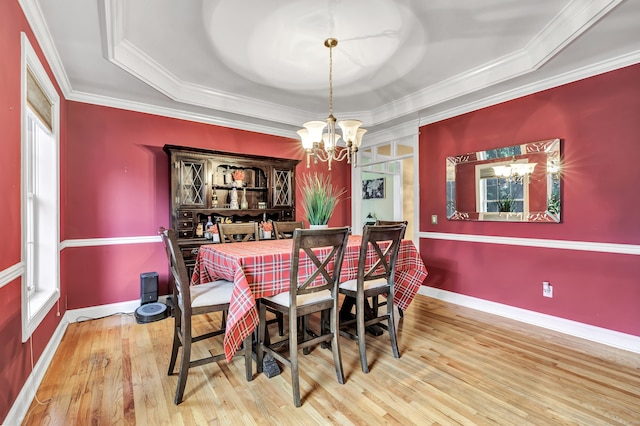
column 502, row 195
column 498, row 195
column 39, row 191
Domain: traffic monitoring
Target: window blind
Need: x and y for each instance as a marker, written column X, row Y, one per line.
column 38, row 101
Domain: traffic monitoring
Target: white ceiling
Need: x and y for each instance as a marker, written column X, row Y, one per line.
column 261, row 64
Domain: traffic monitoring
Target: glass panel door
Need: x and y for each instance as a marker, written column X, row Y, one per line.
column 387, row 181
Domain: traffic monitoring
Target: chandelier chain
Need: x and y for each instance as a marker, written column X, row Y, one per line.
column 330, row 79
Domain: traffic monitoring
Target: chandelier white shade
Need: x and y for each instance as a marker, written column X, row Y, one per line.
column 323, row 145
column 514, row 170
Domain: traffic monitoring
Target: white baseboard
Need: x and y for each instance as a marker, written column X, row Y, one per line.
column 23, row 401
column 95, row 312
column 607, row 337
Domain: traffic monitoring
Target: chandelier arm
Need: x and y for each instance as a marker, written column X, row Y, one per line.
column 322, row 155
column 340, row 154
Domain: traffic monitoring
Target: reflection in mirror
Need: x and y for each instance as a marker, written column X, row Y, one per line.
column 519, row 183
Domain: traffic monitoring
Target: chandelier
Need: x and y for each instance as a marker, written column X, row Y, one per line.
column 514, row 171
column 323, row 145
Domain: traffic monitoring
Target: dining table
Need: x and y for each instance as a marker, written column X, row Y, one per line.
column 262, row 268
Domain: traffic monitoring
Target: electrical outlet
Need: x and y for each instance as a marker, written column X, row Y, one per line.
column 434, row 219
column 547, row 289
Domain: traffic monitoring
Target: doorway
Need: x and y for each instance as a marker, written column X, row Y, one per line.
column 384, row 185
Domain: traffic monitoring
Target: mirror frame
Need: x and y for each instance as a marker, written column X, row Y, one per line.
column 548, row 175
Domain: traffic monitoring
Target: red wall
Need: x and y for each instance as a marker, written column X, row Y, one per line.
column 598, row 122
column 15, row 356
column 117, row 181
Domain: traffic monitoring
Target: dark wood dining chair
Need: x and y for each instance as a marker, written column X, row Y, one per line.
column 373, row 281
column 189, row 301
column 238, row 232
column 391, row 222
column 284, row 230
column 305, row 298
column 375, row 302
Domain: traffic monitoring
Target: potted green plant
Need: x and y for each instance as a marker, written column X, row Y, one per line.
column 319, row 198
column 506, row 204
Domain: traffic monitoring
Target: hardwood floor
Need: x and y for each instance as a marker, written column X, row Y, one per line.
column 457, row 366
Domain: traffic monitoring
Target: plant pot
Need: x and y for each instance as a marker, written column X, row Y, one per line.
column 267, row 235
column 216, row 238
column 325, row 226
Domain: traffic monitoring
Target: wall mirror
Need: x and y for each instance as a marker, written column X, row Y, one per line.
column 519, row 183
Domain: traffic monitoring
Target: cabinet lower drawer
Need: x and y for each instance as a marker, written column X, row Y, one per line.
column 189, row 253
column 185, row 224
column 184, row 214
column 185, row 233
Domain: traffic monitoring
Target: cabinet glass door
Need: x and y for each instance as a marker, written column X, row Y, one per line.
column 282, row 188
column 191, row 188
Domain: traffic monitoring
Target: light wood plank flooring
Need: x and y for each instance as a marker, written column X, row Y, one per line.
column 457, row 366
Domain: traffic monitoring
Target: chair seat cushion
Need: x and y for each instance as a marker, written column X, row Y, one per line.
column 283, row 299
column 213, row 293
column 352, row 285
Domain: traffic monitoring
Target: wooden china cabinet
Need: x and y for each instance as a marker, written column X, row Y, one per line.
column 202, row 185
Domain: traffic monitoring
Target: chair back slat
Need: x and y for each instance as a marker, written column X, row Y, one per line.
column 179, row 275
column 304, row 241
column 385, row 258
column 229, row 232
column 391, row 222
column 284, row 230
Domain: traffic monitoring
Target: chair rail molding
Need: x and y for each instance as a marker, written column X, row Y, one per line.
column 11, row 273
column 91, row 242
column 633, row 249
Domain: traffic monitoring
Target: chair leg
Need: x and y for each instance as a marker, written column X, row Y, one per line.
column 293, row 358
column 262, row 329
column 174, row 352
column 361, row 332
column 335, row 342
column 392, row 327
column 184, row 362
column 176, row 340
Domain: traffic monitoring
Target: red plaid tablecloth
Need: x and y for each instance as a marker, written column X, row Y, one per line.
column 261, row 268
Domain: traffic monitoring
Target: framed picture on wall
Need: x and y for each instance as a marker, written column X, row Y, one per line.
column 373, row 188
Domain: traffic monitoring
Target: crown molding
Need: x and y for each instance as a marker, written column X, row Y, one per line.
column 134, row 61
column 567, row 25
column 33, row 13
column 409, row 128
column 572, row 21
column 136, row 106
column 528, row 89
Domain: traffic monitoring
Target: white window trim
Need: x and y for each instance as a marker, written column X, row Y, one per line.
column 34, row 309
